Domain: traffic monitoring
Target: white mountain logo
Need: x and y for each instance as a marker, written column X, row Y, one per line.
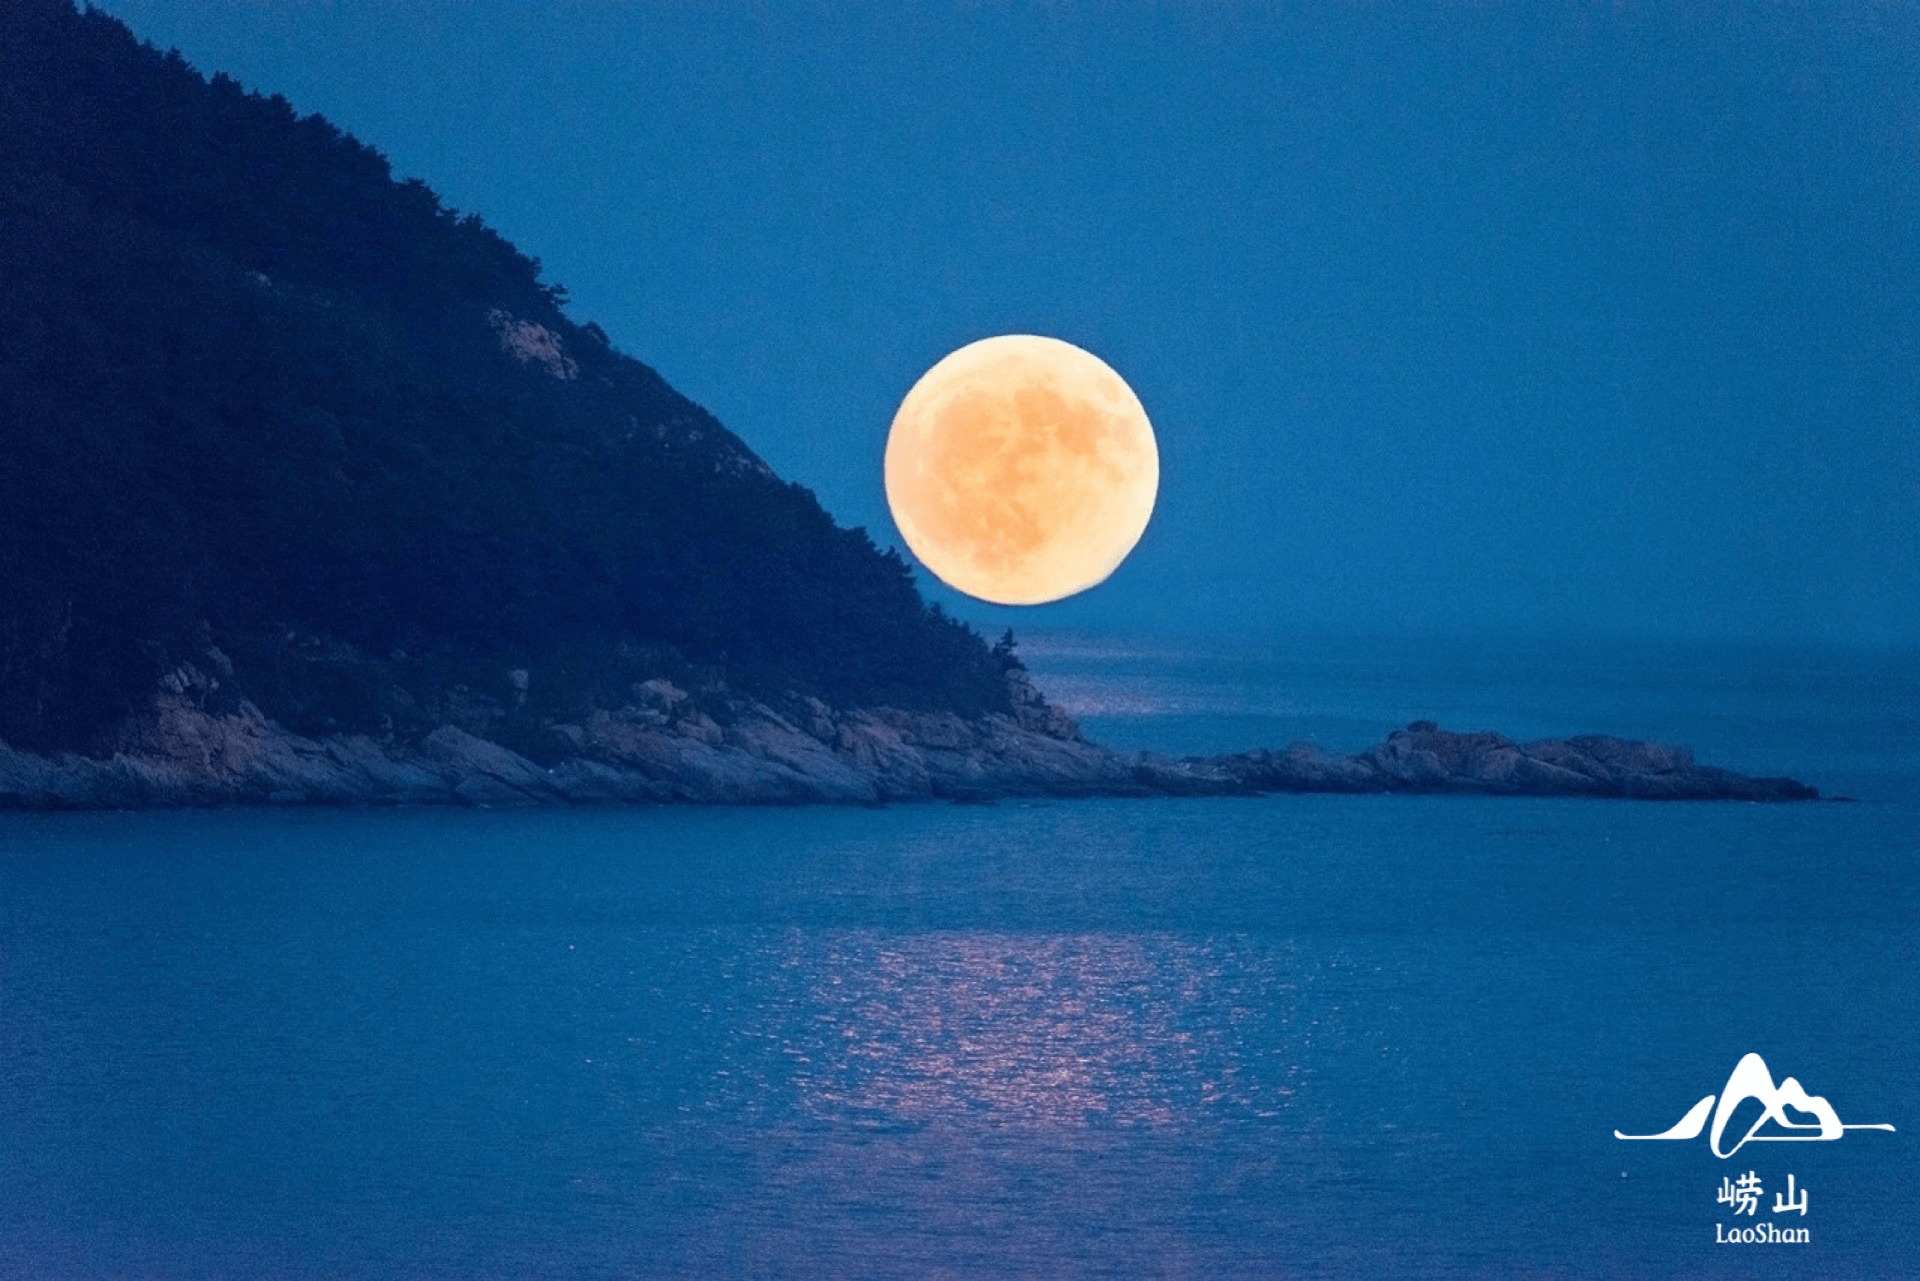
column 1751, row 1080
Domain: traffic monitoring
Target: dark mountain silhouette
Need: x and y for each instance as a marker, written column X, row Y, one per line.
column 310, row 492
column 265, row 409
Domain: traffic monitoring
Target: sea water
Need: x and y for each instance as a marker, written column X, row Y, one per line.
column 1298, row 1035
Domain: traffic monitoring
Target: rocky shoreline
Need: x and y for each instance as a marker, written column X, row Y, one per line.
column 662, row 748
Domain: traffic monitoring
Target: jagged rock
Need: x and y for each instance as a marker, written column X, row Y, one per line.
column 180, row 734
column 586, row 781
column 819, row 720
column 571, row 740
column 1309, row 767
column 770, row 737
column 485, row 773
column 659, row 696
column 1032, row 711
column 942, row 730
column 383, row 776
column 178, row 753
column 876, row 749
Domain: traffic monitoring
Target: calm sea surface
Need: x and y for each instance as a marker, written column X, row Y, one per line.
column 1287, row 1036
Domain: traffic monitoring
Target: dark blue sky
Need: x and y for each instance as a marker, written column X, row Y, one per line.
column 1595, row 318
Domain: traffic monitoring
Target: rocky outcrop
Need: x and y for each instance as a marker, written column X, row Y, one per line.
column 662, row 747
column 1425, row 758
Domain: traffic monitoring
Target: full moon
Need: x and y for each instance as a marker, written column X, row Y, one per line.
column 1021, row 469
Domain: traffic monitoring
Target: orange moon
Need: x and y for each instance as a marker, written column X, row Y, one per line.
column 1021, row 469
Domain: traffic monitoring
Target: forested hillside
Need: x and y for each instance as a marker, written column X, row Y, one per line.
column 266, row 409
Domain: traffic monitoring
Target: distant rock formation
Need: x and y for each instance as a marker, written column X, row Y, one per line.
column 1425, row 758
column 531, row 343
column 665, row 747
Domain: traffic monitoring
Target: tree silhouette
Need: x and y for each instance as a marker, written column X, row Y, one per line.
column 256, row 394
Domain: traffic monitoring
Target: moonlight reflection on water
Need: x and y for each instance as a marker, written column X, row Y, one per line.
column 1037, row 1031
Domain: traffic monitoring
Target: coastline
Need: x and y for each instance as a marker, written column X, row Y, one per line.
column 661, row 749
